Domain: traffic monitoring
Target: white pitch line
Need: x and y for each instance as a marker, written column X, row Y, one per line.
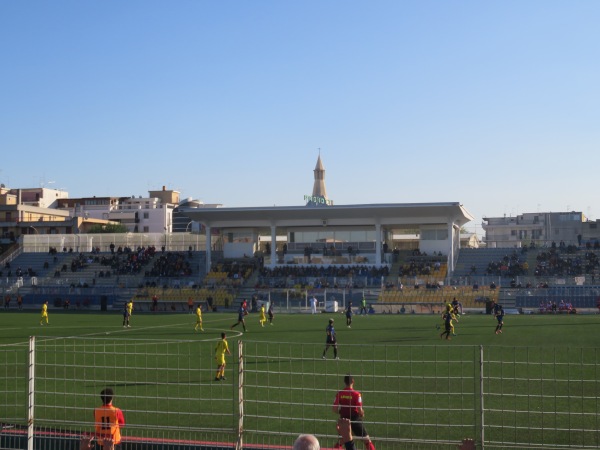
column 234, row 334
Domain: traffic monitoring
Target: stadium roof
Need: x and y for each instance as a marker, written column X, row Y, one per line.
column 390, row 215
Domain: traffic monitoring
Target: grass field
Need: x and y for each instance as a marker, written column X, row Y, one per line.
column 540, row 376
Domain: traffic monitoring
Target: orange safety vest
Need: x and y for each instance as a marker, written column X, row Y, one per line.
column 107, row 424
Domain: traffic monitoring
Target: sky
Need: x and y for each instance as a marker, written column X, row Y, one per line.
column 491, row 104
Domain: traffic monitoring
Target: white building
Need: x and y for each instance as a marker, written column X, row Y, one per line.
column 541, row 228
column 152, row 214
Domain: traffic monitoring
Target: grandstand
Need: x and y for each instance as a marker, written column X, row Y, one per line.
column 418, row 282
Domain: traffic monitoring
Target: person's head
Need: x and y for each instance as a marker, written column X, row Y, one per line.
column 330, row 321
column 223, row 335
column 348, row 380
column 306, row 442
column 107, row 396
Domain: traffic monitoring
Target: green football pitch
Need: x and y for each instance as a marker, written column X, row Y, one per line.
column 472, row 329
column 401, row 365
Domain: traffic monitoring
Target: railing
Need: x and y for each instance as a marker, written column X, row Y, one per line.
column 86, row 242
column 415, row 395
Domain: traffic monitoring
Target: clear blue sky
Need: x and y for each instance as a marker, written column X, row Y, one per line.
column 495, row 104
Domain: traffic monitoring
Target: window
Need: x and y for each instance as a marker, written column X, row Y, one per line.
column 434, row 234
column 146, row 215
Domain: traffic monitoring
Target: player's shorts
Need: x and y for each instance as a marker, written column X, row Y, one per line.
column 220, row 360
column 331, row 341
column 448, row 326
column 358, row 427
column 499, row 318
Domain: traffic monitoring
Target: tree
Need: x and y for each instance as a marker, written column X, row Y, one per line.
column 108, row 228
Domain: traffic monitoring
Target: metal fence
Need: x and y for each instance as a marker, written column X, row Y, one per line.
column 414, row 396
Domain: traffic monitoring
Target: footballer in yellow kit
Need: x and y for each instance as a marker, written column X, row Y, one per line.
column 44, row 318
column 263, row 317
column 220, row 350
column 198, row 319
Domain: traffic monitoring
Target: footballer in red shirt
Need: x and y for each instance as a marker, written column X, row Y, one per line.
column 348, row 404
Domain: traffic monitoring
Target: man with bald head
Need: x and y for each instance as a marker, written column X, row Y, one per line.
column 310, row 442
column 306, row 442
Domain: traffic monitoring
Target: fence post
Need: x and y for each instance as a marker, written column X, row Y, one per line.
column 481, row 402
column 31, row 394
column 240, row 443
